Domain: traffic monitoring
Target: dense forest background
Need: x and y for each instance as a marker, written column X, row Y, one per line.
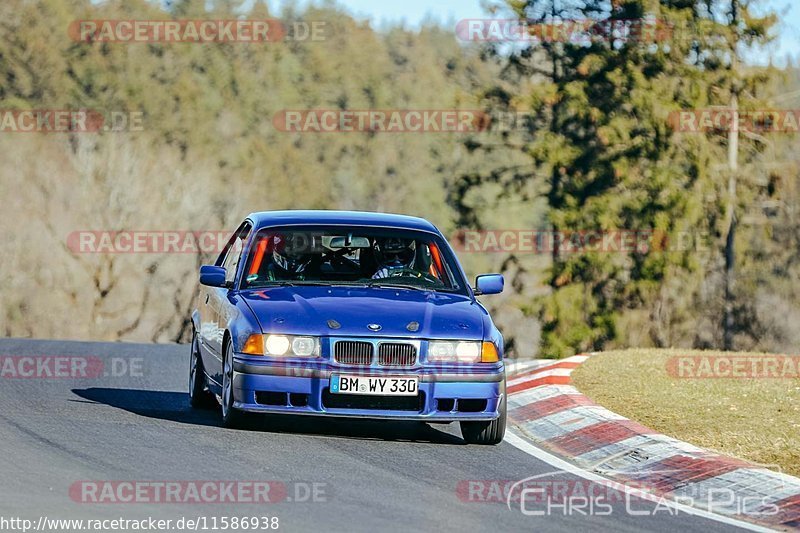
column 593, row 148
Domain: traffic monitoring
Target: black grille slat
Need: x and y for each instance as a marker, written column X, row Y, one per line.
column 353, row 352
column 397, row 354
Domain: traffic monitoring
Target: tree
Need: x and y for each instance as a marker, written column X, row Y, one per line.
column 604, row 153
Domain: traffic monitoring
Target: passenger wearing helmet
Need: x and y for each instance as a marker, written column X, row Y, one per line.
column 395, row 257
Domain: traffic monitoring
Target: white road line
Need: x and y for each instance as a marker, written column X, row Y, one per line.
column 541, row 374
column 574, row 359
column 517, row 367
column 536, row 394
column 556, row 462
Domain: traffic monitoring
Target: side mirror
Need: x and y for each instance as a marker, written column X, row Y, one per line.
column 489, row 284
column 213, row 276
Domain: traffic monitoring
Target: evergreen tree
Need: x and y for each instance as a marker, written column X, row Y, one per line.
column 604, row 153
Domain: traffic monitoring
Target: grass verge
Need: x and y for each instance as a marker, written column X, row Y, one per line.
column 754, row 418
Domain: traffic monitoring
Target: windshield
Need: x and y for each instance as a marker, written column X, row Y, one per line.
column 350, row 256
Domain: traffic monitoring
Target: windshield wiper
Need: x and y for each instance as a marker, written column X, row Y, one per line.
column 278, row 283
column 379, row 285
column 304, row 283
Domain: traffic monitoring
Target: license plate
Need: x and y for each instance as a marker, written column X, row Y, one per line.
column 374, row 386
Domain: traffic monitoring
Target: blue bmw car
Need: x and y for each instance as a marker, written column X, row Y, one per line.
column 347, row 314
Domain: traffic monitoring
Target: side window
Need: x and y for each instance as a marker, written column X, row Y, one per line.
column 233, row 253
column 232, row 259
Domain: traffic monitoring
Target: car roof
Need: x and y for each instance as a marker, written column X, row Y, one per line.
column 265, row 219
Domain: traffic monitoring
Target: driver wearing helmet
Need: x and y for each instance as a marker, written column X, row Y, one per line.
column 290, row 258
column 395, row 257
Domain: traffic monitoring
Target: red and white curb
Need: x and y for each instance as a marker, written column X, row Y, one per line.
column 546, row 409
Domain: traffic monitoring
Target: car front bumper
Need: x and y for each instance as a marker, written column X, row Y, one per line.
column 446, row 393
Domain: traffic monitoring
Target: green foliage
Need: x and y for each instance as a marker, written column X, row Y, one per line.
column 595, row 151
column 607, row 159
column 209, row 153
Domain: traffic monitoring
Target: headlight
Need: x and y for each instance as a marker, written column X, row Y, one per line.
column 304, row 346
column 277, row 344
column 285, row 345
column 282, row 346
column 454, row 352
column 462, row 352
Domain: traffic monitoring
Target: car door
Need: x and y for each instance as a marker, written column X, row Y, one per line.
column 217, row 298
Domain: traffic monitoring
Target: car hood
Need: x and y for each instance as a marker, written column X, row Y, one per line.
column 312, row 311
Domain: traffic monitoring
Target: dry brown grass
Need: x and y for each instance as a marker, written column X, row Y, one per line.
column 754, row 418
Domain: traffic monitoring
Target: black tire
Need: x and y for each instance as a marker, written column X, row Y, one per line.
column 199, row 396
column 232, row 418
column 489, row 432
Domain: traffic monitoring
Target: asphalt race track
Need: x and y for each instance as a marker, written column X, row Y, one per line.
column 133, row 423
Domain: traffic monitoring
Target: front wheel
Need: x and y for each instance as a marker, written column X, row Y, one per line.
column 231, row 417
column 199, row 397
column 486, row 432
